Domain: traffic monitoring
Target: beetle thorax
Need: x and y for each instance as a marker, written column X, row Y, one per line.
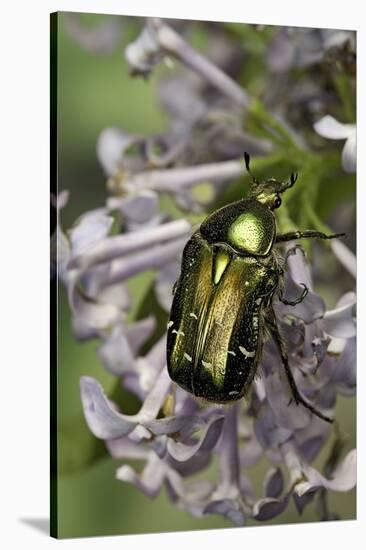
column 247, row 226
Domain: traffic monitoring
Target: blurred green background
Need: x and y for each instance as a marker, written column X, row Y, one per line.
column 95, row 91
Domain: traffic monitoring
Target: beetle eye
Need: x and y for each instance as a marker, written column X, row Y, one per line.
column 277, row 202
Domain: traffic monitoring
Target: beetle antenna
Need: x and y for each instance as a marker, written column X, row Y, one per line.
column 247, row 162
column 291, row 183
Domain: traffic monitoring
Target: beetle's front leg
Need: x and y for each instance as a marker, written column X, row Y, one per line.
column 307, row 234
column 298, row 398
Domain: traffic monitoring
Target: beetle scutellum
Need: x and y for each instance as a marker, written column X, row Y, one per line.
column 223, row 299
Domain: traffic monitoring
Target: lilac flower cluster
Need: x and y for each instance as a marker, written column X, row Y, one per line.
column 172, row 434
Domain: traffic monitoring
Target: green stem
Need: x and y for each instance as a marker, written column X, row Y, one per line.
column 284, row 220
column 269, row 124
column 315, row 165
column 315, row 220
column 345, row 93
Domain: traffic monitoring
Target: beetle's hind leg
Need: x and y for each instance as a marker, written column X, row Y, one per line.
column 307, row 234
column 298, row 398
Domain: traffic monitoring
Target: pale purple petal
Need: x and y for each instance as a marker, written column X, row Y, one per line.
column 89, row 317
column 346, row 299
column 309, row 47
column 289, row 416
column 311, row 439
column 152, row 258
column 326, row 399
column 273, row 483
column 103, row 419
column 61, row 200
column 246, row 489
column 176, row 179
column 132, row 384
column 190, row 495
column 138, row 333
column 89, row 229
column 267, row 508
column 60, row 249
column 184, row 105
column 297, row 266
column 267, row 430
column 293, row 332
column 146, row 369
column 343, row 478
column 303, row 501
column 312, row 331
column 192, row 466
column 281, row 52
column 186, row 201
column 229, row 466
column 346, row 368
column 125, row 448
column 164, row 284
column 225, row 500
column 251, row 453
column 144, row 53
column 340, row 322
column 60, row 253
column 349, row 154
column 185, row 403
column 117, row 294
column 101, row 38
column 312, row 307
column 207, row 440
column 149, row 481
column 115, row 352
column 320, row 348
column 334, row 38
column 330, row 128
column 293, row 462
column 172, row 147
column 173, row 424
column 228, row 508
column 121, row 245
column 140, row 209
column 157, row 354
column 345, row 256
column 112, row 146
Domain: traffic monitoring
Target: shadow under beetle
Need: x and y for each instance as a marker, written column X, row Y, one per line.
column 222, row 301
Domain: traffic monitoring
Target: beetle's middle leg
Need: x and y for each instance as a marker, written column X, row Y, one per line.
column 298, row 398
column 292, row 251
column 298, row 300
column 305, row 292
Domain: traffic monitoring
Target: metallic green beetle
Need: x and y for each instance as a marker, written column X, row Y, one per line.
column 223, row 299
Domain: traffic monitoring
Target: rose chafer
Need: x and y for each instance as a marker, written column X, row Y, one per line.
column 222, row 303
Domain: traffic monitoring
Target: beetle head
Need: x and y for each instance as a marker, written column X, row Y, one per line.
column 268, row 192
